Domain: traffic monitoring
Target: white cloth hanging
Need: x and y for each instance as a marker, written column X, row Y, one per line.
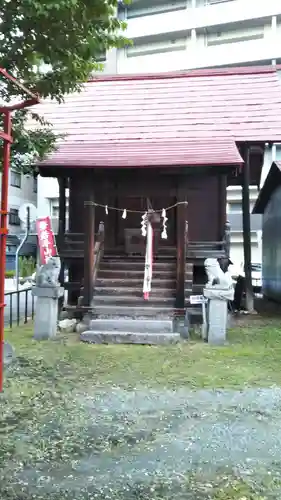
column 148, row 262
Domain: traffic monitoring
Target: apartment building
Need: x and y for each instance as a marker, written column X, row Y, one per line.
column 22, row 189
column 172, row 35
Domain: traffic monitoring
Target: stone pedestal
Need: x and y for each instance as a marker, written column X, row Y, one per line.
column 217, row 316
column 46, row 311
column 217, row 321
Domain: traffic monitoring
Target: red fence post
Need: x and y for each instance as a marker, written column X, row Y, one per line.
column 5, row 135
column 3, row 233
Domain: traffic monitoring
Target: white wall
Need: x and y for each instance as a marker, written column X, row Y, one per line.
column 18, row 196
column 47, row 188
column 236, row 248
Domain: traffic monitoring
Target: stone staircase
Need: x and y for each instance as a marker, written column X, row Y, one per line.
column 121, row 315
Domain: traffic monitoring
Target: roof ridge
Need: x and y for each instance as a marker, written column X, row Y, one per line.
column 241, row 70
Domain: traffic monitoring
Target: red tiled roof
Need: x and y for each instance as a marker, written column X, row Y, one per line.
column 147, row 154
column 128, row 118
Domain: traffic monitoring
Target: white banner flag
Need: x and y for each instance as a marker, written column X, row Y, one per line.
column 148, row 262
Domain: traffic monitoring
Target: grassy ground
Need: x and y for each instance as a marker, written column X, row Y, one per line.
column 39, row 386
column 252, row 358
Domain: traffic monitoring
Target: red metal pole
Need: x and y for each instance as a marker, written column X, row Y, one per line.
column 3, row 233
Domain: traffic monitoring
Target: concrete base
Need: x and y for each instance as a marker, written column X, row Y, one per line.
column 46, row 312
column 217, row 321
column 116, row 337
column 130, row 331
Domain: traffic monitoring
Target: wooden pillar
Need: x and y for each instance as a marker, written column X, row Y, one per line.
column 247, row 230
column 62, row 223
column 75, row 210
column 181, row 248
column 89, row 248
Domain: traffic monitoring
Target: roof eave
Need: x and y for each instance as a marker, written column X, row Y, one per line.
column 269, row 186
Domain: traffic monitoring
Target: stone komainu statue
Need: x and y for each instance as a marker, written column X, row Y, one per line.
column 48, row 274
column 216, row 277
column 219, row 283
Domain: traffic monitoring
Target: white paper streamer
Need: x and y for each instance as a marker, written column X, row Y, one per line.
column 124, row 215
column 164, row 235
column 144, row 224
column 106, row 210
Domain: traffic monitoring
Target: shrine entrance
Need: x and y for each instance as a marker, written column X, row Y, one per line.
column 128, row 236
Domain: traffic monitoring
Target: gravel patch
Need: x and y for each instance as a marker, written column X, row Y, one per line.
column 168, row 444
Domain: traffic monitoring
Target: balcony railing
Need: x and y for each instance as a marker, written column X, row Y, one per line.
column 200, row 56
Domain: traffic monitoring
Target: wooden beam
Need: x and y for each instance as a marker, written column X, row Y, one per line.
column 89, row 249
column 62, row 223
column 181, row 249
column 247, row 230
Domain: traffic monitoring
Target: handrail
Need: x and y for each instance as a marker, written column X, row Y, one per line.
column 98, row 251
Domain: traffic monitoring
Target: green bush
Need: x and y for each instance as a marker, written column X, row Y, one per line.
column 10, row 274
column 27, row 266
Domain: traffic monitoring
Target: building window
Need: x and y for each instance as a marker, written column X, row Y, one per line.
column 14, row 219
column 236, row 207
column 141, row 8
column 54, row 211
column 54, row 208
column 15, row 179
column 156, row 47
column 234, row 36
column 35, row 184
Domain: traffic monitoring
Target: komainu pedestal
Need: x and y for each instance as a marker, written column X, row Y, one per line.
column 218, row 290
column 47, row 292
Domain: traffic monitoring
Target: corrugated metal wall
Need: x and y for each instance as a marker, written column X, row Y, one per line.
column 271, row 253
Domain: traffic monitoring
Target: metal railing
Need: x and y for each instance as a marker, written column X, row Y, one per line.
column 19, row 307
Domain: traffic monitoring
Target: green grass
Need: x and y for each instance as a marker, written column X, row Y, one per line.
column 252, row 358
column 39, row 390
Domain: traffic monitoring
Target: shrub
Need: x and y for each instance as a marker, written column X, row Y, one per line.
column 27, row 266
column 10, row 274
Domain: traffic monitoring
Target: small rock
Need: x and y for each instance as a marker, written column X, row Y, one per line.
column 81, row 327
column 67, row 325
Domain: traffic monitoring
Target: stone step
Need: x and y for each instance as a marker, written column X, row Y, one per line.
column 139, row 258
column 134, row 282
column 136, row 291
column 194, row 314
column 113, row 337
column 140, row 312
column 137, row 264
column 131, row 325
column 135, row 273
column 133, row 300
